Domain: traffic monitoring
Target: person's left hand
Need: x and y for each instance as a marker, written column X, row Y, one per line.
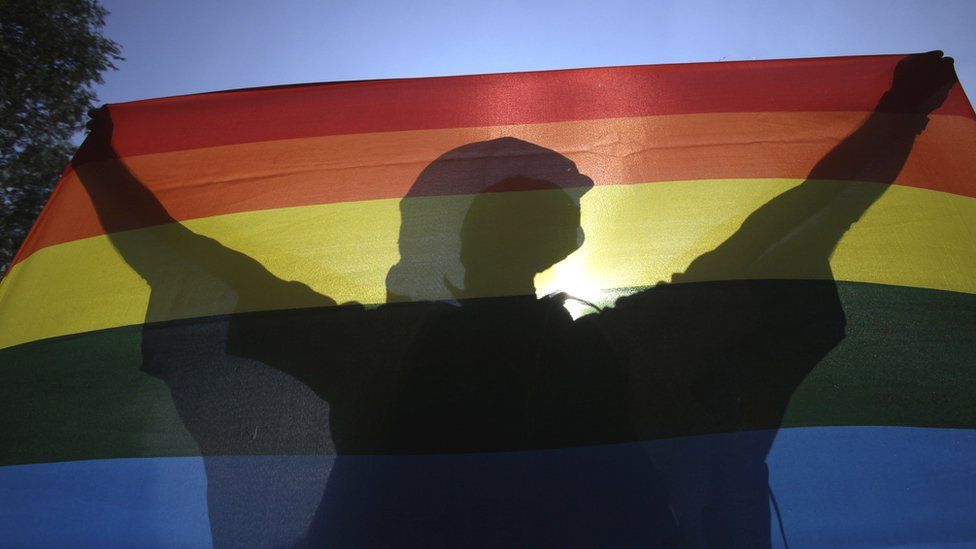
column 98, row 143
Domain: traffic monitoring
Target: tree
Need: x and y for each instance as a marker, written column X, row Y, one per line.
column 52, row 53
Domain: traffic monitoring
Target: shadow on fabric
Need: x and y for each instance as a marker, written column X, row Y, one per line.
column 493, row 417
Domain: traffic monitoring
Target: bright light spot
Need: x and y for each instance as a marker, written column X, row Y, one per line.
column 570, row 277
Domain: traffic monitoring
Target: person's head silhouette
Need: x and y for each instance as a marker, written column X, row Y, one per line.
column 497, row 213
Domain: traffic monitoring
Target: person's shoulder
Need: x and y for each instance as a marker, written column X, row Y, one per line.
column 640, row 298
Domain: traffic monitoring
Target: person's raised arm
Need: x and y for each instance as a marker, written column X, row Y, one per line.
column 713, row 333
column 122, row 203
column 799, row 229
column 187, row 273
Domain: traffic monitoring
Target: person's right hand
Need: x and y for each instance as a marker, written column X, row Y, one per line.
column 921, row 83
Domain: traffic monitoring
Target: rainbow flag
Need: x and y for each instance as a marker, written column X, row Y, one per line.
column 726, row 304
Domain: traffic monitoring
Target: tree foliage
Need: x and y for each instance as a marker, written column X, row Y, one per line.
column 52, row 53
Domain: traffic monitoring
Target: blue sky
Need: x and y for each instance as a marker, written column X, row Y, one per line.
column 175, row 47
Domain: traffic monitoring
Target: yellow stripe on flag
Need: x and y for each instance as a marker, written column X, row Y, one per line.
column 636, row 235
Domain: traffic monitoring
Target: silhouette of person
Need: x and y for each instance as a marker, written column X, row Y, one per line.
column 494, row 418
